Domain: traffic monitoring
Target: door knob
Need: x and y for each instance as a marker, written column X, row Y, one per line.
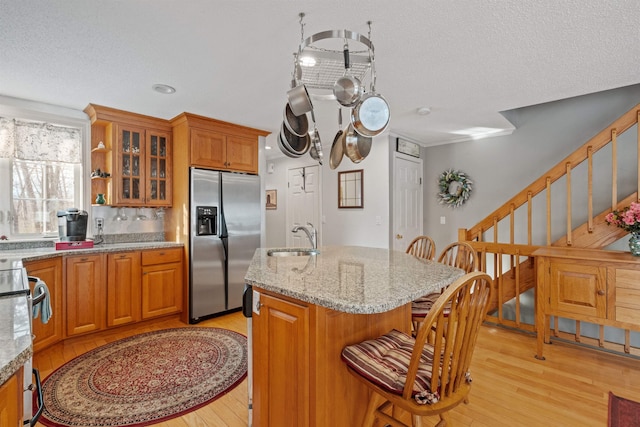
column 399, row 236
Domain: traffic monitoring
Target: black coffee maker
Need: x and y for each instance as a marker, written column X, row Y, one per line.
column 72, row 225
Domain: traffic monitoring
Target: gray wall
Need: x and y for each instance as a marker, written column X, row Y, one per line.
column 500, row 167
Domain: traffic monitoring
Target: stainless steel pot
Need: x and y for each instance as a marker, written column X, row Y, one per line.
column 299, row 100
column 356, row 146
column 297, row 125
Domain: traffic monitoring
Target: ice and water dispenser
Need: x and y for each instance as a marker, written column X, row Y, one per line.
column 206, row 220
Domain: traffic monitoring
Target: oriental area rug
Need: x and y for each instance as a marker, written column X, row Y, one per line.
column 623, row 412
column 145, row 379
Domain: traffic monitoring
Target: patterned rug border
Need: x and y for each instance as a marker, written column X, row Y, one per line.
column 46, row 422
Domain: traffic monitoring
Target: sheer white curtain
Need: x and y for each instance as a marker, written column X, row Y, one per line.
column 43, row 164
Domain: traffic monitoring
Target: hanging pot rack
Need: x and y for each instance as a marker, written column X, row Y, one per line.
column 327, row 48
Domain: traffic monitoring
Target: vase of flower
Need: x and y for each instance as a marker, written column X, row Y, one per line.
column 629, row 220
column 634, row 244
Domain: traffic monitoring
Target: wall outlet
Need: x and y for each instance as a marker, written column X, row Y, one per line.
column 443, row 220
column 378, row 220
column 99, row 222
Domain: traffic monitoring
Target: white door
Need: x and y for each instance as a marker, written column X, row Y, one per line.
column 303, row 204
column 407, row 200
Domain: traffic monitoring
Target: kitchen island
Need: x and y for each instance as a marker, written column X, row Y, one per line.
column 308, row 308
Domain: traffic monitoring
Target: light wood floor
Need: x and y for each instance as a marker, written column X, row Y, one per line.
column 510, row 386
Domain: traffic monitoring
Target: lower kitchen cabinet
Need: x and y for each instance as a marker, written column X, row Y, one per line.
column 161, row 282
column 85, row 294
column 281, row 362
column 11, row 401
column 123, row 288
column 50, row 271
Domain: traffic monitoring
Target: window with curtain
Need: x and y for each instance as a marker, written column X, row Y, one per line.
column 43, row 164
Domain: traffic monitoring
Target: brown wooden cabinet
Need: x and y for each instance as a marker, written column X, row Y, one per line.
column 162, row 287
column 299, row 377
column 50, row 271
column 281, row 362
column 137, row 154
column 11, row 401
column 214, row 144
column 596, row 286
column 123, row 288
column 85, row 294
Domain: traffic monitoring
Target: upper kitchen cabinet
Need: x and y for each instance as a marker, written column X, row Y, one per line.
column 136, row 152
column 214, row 144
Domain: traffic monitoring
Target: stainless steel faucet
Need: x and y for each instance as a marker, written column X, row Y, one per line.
column 311, row 234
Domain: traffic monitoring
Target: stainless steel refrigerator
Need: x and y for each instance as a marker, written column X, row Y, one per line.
column 225, row 232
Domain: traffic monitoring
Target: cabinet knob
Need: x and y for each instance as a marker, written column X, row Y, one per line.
column 601, row 292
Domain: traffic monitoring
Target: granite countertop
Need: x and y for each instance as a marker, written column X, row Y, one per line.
column 15, row 336
column 350, row 279
column 44, row 253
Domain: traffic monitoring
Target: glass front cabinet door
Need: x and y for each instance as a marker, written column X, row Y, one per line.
column 129, row 171
column 158, row 169
column 143, row 167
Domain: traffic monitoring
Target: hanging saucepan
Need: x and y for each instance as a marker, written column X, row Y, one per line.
column 347, row 89
column 297, row 125
column 356, row 146
column 370, row 116
column 337, row 152
column 296, row 145
column 299, row 100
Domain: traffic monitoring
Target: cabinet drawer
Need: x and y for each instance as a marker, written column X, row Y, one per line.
column 627, row 295
column 161, row 256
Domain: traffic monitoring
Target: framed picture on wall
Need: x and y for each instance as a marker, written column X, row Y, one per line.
column 272, row 199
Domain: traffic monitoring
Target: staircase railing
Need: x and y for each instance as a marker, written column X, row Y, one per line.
column 506, row 238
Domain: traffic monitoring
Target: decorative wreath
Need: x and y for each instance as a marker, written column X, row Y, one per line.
column 455, row 188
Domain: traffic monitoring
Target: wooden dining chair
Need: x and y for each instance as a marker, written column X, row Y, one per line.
column 457, row 254
column 422, row 247
column 420, row 378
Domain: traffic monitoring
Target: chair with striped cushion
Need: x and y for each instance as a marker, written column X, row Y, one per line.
column 420, row 378
column 457, row 254
column 422, row 247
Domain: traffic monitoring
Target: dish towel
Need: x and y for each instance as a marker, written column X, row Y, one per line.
column 45, row 305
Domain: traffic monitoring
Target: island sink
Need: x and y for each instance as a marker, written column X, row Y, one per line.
column 292, row 252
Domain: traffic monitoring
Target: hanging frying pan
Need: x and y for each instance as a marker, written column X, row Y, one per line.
column 297, row 125
column 370, row 116
column 347, row 89
column 284, row 149
column 296, row 145
column 356, row 146
column 337, row 152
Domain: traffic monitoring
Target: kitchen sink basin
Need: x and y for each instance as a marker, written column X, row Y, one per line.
column 292, row 252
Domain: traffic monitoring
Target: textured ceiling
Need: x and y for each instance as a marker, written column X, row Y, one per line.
column 467, row 60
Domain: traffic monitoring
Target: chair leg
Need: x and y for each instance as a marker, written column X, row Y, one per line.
column 370, row 416
column 416, row 420
column 444, row 420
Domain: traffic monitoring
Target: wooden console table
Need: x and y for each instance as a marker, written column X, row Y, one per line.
column 591, row 285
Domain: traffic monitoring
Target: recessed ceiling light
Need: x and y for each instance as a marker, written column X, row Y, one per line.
column 166, row 89
column 423, row 111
